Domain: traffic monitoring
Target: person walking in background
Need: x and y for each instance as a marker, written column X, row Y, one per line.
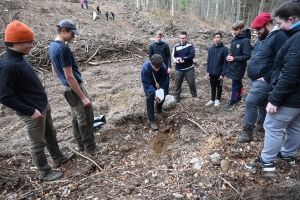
column 81, row 4
column 159, row 46
column 154, row 71
column 283, row 109
column 113, row 15
column 65, row 67
column 106, row 15
column 183, row 54
column 98, row 10
column 216, row 68
column 259, row 70
column 22, row 91
column 240, row 52
column 86, row 4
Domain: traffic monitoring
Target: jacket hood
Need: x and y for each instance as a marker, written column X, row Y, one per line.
column 220, row 45
column 245, row 34
column 162, row 41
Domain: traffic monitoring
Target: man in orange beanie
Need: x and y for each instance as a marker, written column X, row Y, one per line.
column 65, row 67
column 22, row 91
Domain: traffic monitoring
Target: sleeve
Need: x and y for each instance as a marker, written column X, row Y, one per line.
column 163, row 82
column 174, row 54
column 147, row 82
column 8, row 77
column 207, row 60
column 168, row 54
column 246, row 51
column 289, row 78
column 151, row 52
column 225, row 54
column 191, row 54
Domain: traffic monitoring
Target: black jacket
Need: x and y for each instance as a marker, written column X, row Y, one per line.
column 162, row 49
column 241, row 51
column 20, row 87
column 216, row 60
column 262, row 61
column 286, row 75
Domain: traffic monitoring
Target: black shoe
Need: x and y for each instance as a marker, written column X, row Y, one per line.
column 153, row 125
column 246, row 135
column 50, row 176
column 63, row 160
column 92, row 150
column 79, row 147
column 289, row 159
column 267, row 167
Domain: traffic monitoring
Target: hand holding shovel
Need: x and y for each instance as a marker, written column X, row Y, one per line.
column 160, row 94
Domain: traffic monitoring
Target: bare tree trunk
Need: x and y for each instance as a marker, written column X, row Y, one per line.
column 261, row 6
column 172, row 8
column 207, row 10
column 147, row 5
column 216, row 13
column 238, row 14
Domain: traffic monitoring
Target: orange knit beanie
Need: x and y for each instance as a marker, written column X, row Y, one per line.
column 18, row 32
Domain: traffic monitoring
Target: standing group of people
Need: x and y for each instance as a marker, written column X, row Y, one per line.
column 84, row 2
column 22, row 91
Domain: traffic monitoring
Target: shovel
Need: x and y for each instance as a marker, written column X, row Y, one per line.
column 159, row 91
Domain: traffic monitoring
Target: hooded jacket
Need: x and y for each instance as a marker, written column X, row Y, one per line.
column 241, row 51
column 286, row 76
column 162, row 49
column 216, row 60
column 262, row 60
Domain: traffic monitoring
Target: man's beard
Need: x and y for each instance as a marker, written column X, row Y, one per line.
column 264, row 34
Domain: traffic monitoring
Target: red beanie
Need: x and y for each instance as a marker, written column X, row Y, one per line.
column 261, row 20
column 18, row 32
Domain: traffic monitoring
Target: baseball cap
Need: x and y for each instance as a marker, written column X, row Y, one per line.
column 261, row 20
column 67, row 23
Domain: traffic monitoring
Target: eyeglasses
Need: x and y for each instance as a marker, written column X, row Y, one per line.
column 183, row 38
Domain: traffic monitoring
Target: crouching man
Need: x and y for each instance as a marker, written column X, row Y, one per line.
column 154, row 71
column 22, row 91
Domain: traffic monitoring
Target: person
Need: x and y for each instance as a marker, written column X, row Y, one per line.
column 98, row 10
column 113, row 15
column 283, row 109
column 154, row 71
column 240, row 52
column 183, row 54
column 86, row 4
column 106, row 15
column 159, row 46
column 81, row 4
column 216, row 68
column 259, row 70
column 65, row 67
column 22, row 91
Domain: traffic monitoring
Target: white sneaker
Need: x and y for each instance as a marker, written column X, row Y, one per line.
column 210, row 103
column 217, row 102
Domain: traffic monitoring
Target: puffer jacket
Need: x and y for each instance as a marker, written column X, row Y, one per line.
column 262, row 60
column 216, row 60
column 241, row 51
column 162, row 49
column 286, row 76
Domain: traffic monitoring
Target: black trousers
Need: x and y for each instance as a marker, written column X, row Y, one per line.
column 216, row 87
column 150, row 106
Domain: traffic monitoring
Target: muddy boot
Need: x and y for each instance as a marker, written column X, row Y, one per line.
column 153, row 125
column 246, row 135
column 50, row 176
column 79, row 147
column 63, row 159
column 259, row 126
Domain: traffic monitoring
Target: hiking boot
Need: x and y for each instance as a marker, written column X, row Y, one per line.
column 63, row 160
column 259, row 126
column 50, row 176
column 217, row 102
column 289, row 159
column 267, row 167
column 210, row 103
column 79, row 147
column 246, row 135
column 230, row 107
column 92, row 150
column 241, row 101
column 153, row 125
column 195, row 99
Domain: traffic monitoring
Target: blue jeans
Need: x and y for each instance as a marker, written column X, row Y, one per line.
column 286, row 118
column 256, row 102
column 237, row 91
column 190, row 78
column 42, row 134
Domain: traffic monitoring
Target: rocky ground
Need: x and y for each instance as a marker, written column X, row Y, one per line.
column 194, row 155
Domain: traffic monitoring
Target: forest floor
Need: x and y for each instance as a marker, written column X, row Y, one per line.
column 134, row 162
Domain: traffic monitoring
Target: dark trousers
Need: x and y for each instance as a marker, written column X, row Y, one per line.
column 150, row 106
column 216, row 87
column 237, row 91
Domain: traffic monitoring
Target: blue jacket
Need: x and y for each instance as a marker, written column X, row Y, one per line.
column 185, row 52
column 162, row 49
column 286, row 75
column 148, row 81
column 241, row 51
column 262, row 60
column 216, row 60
